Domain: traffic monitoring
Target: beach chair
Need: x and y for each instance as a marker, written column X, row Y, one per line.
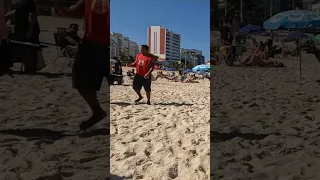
column 62, row 51
column 234, row 55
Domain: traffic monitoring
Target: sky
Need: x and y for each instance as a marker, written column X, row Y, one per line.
column 189, row 18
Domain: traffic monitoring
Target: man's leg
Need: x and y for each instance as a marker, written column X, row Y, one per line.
column 90, row 96
column 87, row 77
column 148, row 93
column 147, row 87
column 137, row 85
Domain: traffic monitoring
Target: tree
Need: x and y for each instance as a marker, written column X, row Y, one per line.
column 131, row 59
column 175, row 64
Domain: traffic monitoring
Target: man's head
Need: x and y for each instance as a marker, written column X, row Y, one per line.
column 73, row 28
column 144, row 49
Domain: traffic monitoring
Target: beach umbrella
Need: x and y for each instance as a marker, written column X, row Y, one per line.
column 294, row 19
column 296, row 35
column 316, row 39
column 249, row 29
column 170, row 69
column 187, row 71
column 201, row 68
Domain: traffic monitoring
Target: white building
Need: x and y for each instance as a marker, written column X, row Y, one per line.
column 164, row 43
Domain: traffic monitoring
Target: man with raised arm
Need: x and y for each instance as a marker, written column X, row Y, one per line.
column 144, row 66
column 92, row 61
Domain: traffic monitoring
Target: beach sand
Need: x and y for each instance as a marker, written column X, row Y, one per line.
column 40, row 117
column 263, row 123
column 167, row 140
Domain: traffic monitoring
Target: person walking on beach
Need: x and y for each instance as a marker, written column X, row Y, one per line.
column 92, row 62
column 144, row 64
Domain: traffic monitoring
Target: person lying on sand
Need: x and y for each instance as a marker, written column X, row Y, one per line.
column 190, row 79
column 260, row 58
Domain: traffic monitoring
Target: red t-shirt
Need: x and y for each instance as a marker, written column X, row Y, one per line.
column 143, row 64
column 97, row 17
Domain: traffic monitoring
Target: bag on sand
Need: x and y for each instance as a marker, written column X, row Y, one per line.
column 40, row 61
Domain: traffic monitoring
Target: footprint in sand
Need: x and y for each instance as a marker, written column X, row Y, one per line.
column 173, row 171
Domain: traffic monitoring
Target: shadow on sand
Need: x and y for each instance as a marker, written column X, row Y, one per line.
column 115, row 177
column 125, row 104
column 44, row 74
column 51, row 135
column 216, row 137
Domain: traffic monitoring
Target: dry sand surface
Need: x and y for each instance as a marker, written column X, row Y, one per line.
column 40, row 116
column 167, row 140
column 263, row 124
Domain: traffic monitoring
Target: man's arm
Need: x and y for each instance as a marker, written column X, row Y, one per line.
column 151, row 67
column 135, row 62
column 10, row 13
column 152, row 64
column 75, row 11
column 71, row 41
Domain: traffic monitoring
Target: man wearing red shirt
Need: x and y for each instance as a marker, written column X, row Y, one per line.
column 92, row 62
column 144, row 66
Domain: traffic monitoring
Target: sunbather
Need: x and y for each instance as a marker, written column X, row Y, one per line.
column 261, row 59
column 258, row 58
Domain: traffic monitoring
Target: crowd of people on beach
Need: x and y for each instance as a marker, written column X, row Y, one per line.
column 229, row 48
column 183, row 77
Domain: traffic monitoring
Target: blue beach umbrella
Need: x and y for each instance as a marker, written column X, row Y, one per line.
column 201, row 68
column 187, row 71
column 295, row 19
column 296, row 35
column 170, row 69
column 249, row 29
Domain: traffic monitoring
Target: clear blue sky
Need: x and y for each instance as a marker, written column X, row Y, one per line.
column 189, row 18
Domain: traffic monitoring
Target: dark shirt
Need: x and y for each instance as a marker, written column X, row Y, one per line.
column 224, row 31
column 64, row 42
column 117, row 67
column 21, row 17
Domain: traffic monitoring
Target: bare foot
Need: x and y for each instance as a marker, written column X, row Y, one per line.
column 148, row 102
column 94, row 119
column 139, row 99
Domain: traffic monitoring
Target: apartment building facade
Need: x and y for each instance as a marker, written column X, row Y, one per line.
column 164, row 43
column 192, row 56
column 122, row 45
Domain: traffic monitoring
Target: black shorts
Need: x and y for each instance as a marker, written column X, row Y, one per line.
column 92, row 63
column 140, row 81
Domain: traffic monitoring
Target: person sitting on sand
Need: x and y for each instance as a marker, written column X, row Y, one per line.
column 258, row 58
column 70, row 39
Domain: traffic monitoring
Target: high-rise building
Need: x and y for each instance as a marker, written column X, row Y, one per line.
column 121, row 45
column 192, row 56
column 164, row 43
